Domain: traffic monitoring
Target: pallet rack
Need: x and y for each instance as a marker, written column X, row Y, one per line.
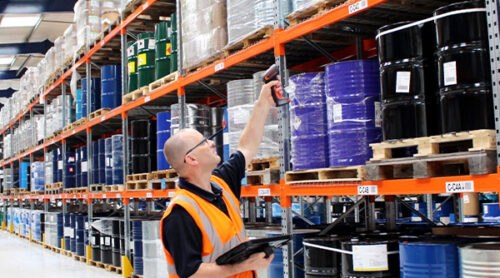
column 286, row 46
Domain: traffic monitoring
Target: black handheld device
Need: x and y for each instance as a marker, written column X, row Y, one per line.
column 270, row 75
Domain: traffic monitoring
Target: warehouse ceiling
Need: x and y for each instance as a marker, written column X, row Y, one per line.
column 27, row 30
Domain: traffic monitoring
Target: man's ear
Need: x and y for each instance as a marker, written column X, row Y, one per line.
column 191, row 160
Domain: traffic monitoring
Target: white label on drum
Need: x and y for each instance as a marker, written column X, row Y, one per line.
column 485, row 209
column 108, row 162
column 403, row 82
column 151, row 44
column 141, row 44
column 84, row 166
column 450, row 73
column 59, row 165
column 370, row 257
column 337, row 113
column 378, row 114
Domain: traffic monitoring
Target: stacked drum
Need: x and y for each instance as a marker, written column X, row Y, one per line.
column 353, row 95
column 308, row 121
column 111, row 86
column 464, row 67
column 162, row 135
column 410, row 107
column 143, row 149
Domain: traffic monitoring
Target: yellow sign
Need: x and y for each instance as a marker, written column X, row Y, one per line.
column 168, row 49
column 131, row 67
column 141, row 59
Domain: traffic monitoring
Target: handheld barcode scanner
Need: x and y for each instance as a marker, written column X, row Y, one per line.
column 270, row 75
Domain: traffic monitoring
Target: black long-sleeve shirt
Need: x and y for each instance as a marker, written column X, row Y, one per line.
column 183, row 238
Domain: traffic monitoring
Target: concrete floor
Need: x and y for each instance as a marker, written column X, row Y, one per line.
column 21, row 259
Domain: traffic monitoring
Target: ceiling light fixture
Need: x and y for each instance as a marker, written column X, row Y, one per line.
column 19, row 21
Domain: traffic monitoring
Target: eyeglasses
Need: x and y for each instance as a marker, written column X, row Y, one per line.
column 204, row 141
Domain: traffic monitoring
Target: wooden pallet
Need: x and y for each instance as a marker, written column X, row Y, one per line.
column 205, row 63
column 76, row 190
column 338, row 174
column 80, row 258
column 99, row 113
column 56, row 185
column 54, row 191
column 97, row 264
column 18, row 191
column 52, row 248
column 137, row 185
column 37, row 242
column 67, row 253
column 163, row 81
column 162, row 174
column 483, row 139
column 96, row 187
column 137, row 276
column 314, row 10
column 132, row 6
column 162, row 184
column 263, row 177
column 113, row 188
column 113, row 268
column 441, row 165
column 79, row 122
column 249, row 40
column 137, row 177
column 264, row 163
column 37, row 192
column 135, row 94
column 52, row 136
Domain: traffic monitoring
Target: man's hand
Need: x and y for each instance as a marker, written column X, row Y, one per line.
column 265, row 92
column 257, row 261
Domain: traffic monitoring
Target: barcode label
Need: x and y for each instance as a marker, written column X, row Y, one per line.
column 218, row 67
column 149, row 195
column 118, row 195
column 171, row 194
column 146, row 99
column 450, row 73
column 264, row 192
column 367, row 190
column 104, row 195
column 403, row 82
column 356, row 7
column 337, row 113
column 459, row 186
column 103, row 119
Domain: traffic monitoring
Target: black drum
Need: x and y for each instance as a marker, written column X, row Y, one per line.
column 319, row 262
column 461, row 28
column 388, row 269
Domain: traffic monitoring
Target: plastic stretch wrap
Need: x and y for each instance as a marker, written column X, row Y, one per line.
column 48, row 168
column 50, row 57
column 88, row 21
column 240, row 92
column 59, row 52
column 298, row 5
column 247, row 16
column 37, row 176
column 55, row 119
column 353, row 104
column 204, row 31
column 53, row 228
column 268, row 147
column 70, row 42
column 110, row 12
column 37, row 218
column 155, row 263
column 308, row 121
column 104, row 226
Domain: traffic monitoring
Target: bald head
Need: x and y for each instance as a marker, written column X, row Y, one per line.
column 176, row 147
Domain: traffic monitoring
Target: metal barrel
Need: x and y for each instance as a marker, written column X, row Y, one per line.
column 145, row 59
column 101, row 165
column 108, row 157
column 132, row 65
column 95, row 98
column 111, row 86
column 138, row 250
column 480, row 260
column 163, row 49
column 422, row 259
column 117, row 158
column 84, row 166
column 162, row 135
column 173, row 43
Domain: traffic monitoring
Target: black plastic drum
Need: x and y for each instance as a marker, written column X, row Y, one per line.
column 414, row 42
column 348, row 264
column 106, row 252
column 95, row 243
column 115, row 247
column 404, row 119
column 322, row 263
column 461, row 28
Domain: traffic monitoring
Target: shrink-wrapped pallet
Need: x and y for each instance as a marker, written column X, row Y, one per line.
column 204, row 32
column 88, row 21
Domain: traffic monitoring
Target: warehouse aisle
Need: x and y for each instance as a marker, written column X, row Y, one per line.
column 21, row 259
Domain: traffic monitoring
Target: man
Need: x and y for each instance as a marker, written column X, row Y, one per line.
column 203, row 219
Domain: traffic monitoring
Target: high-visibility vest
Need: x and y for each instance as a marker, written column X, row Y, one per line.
column 220, row 233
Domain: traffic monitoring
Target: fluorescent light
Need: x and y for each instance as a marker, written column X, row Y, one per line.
column 19, row 21
column 6, row 60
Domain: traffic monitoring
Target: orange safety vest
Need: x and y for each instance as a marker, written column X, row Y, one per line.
column 220, row 233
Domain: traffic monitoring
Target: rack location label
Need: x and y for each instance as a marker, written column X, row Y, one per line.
column 459, row 186
column 367, row 190
column 264, row 191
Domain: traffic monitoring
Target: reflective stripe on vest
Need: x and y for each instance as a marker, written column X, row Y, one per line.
column 183, row 199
